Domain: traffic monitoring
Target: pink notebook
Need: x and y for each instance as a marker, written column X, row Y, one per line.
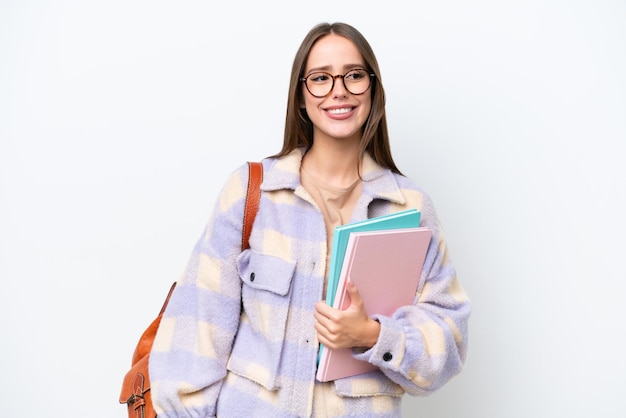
column 386, row 267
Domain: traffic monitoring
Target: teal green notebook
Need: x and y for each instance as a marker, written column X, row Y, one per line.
column 405, row 219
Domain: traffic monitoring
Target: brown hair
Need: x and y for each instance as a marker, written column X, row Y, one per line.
column 298, row 126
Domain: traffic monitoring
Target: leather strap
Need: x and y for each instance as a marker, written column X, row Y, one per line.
column 253, row 197
column 138, row 400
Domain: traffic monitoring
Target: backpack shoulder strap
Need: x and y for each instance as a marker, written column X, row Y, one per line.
column 253, row 197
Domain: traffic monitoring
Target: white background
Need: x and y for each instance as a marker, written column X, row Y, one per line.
column 120, row 121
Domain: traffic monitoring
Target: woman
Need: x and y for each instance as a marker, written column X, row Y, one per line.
column 230, row 346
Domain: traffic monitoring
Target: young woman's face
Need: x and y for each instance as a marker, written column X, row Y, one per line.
column 340, row 114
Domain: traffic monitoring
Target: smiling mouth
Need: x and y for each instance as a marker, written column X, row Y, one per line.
column 340, row 111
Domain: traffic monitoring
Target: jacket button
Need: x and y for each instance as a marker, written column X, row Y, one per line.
column 387, row 356
column 252, row 276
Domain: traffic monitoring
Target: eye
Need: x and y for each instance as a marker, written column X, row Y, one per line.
column 319, row 78
column 356, row 75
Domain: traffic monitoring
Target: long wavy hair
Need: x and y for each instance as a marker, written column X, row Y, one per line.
column 298, row 126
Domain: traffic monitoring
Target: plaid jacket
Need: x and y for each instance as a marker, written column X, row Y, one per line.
column 211, row 358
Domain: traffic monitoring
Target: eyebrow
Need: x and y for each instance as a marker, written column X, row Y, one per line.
column 327, row 68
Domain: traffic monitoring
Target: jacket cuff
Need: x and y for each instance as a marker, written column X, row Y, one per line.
column 388, row 351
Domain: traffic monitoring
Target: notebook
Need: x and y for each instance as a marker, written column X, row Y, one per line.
column 406, row 219
column 386, row 267
column 409, row 218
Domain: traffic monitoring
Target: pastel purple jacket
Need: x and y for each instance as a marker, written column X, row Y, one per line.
column 213, row 358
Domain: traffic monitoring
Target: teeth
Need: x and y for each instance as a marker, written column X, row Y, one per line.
column 340, row 111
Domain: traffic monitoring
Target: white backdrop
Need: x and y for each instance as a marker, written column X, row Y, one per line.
column 120, row 120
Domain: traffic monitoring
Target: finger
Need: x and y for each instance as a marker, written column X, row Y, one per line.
column 320, row 318
column 326, row 323
column 355, row 296
column 325, row 336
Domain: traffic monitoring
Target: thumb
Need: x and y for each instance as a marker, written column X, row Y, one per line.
column 353, row 292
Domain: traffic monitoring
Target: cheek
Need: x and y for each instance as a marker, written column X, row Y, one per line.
column 366, row 108
column 310, row 106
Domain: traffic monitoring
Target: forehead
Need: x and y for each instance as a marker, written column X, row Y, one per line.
column 334, row 51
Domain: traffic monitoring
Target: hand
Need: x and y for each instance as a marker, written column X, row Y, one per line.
column 346, row 328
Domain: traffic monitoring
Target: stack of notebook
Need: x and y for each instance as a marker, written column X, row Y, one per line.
column 383, row 257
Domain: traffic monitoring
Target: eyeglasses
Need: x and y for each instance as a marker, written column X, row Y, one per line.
column 320, row 84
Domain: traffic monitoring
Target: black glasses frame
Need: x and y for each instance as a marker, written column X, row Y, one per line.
column 334, row 77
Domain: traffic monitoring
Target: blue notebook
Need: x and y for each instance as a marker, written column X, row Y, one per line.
column 406, row 219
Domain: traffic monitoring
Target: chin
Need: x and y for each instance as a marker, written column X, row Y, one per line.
column 344, row 134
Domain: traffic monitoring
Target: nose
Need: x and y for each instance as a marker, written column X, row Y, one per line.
column 339, row 87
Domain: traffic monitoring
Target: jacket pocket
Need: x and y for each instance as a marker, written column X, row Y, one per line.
column 265, row 295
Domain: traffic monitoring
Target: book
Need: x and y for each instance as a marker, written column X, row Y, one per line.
column 409, row 218
column 386, row 267
column 405, row 219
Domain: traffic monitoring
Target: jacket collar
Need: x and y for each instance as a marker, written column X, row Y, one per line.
column 378, row 182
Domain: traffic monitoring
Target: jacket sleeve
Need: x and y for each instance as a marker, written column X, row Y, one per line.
column 422, row 346
column 188, row 359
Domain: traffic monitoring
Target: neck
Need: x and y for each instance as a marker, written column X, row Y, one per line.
column 335, row 164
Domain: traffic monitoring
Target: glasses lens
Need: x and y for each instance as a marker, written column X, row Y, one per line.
column 357, row 81
column 319, row 84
